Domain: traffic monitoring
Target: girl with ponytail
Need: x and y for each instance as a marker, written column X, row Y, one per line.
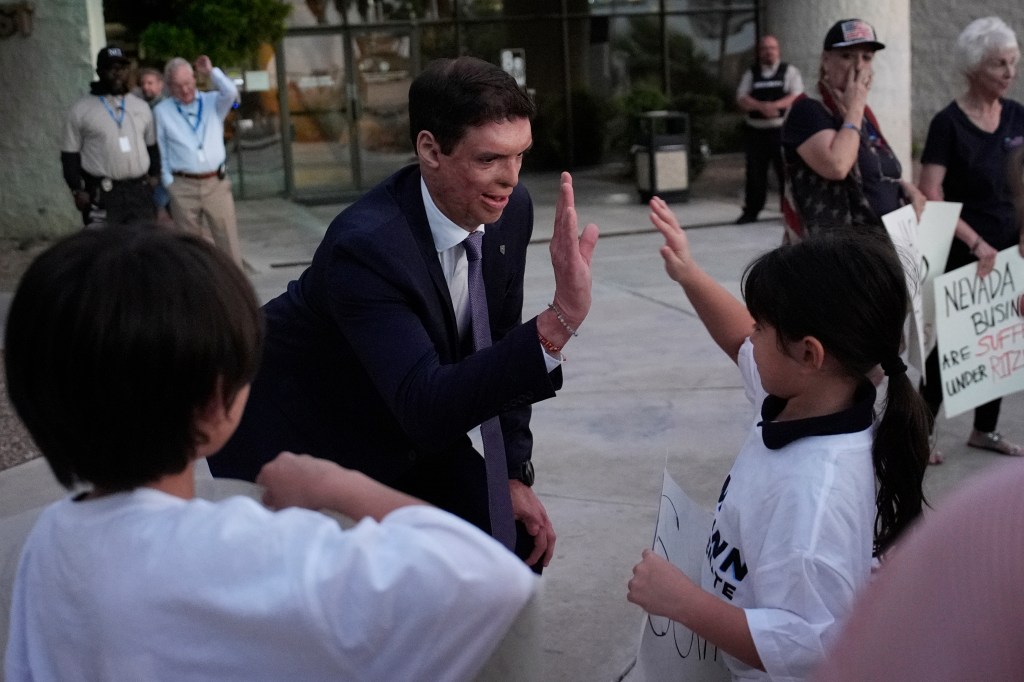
column 822, row 484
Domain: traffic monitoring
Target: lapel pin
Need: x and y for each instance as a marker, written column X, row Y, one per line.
column 502, row 249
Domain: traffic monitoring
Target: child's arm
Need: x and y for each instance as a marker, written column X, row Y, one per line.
column 725, row 317
column 302, row 481
column 661, row 589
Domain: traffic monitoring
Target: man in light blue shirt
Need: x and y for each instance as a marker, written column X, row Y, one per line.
column 190, row 132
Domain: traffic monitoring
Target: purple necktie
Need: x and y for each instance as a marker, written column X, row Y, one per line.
column 499, row 500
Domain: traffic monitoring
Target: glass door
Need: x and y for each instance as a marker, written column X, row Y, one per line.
column 383, row 71
column 347, row 109
column 320, row 114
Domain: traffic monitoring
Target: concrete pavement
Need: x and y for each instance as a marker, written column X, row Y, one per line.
column 645, row 388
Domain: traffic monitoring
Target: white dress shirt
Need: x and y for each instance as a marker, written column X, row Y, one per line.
column 448, row 238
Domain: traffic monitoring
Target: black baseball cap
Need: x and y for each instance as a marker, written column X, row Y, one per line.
column 850, row 33
column 109, row 56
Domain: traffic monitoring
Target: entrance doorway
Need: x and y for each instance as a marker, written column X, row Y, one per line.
column 346, row 117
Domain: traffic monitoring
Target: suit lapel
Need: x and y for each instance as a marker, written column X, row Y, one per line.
column 412, row 201
column 495, row 270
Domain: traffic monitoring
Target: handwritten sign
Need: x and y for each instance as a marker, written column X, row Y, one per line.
column 923, row 247
column 981, row 332
column 668, row 650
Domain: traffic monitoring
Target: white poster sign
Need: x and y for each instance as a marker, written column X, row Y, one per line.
column 924, row 247
column 981, row 332
column 668, row 650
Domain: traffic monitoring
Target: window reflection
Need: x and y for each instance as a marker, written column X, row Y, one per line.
column 306, row 13
column 590, row 69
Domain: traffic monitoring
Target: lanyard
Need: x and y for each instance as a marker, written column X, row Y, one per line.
column 117, row 119
column 194, row 126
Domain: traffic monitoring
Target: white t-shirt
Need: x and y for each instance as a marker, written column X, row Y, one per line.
column 147, row 586
column 792, row 537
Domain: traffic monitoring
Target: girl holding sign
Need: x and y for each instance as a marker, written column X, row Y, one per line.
column 972, row 155
column 799, row 520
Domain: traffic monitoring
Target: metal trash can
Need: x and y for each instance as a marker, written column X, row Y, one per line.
column 666, row 171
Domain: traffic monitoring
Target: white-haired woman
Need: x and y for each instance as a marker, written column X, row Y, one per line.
column 972, row 155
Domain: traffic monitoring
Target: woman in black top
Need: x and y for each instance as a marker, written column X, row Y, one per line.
column 973, row 156
column 840, row 170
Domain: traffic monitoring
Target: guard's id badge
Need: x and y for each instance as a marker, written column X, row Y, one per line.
column 126, row 145
column 201, row 156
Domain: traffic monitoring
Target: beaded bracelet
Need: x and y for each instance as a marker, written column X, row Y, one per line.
column 548, row 346
column 561, row 318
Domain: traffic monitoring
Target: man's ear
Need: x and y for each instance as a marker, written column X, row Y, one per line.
column 812, row 353
column 427, row 149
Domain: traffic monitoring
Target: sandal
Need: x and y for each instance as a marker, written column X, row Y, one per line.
column 995, row 442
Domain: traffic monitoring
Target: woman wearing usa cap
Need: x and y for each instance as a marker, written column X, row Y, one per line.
column 840, row 170
column 973, row 155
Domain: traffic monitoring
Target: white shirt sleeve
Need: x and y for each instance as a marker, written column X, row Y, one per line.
column 743, row 88
column 748, row 372
column 420, row 567
column 794, row 84
column 72, row 142
column 791, row 641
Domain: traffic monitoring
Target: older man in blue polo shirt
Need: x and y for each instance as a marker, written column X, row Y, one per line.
column 190, row 132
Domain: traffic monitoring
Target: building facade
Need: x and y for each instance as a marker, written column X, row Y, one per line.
column 323, row 113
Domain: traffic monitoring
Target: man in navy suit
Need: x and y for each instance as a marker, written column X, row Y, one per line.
column 369, row 356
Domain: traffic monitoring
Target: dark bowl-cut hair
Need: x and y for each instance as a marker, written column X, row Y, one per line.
column 116, row 338
column 453, row 95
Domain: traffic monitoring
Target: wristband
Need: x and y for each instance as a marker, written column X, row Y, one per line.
column 852, row 127
column 976, row 244
column 548, row 346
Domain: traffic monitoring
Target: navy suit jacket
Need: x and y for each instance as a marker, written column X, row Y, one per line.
column 363, row 363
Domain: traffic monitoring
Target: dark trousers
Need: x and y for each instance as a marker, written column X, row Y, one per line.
column 127, row 201
column 763, row 150
column 986, row 416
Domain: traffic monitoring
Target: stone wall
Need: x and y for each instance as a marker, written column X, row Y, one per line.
column 40, row 76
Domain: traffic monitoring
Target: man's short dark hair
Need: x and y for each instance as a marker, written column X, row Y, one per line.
column 116, row 338
column 452, row 95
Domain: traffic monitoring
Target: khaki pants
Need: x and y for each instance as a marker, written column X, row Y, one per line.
column 205, row 208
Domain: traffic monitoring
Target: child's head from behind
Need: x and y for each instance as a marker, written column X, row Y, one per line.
column 845, row 289
column 116, row 339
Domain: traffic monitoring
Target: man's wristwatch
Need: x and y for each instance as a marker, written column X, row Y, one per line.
column 525, row 474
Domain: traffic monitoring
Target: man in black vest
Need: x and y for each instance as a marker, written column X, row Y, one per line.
column 765, row 93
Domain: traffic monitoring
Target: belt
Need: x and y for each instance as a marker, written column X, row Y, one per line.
column 108, row 184
column 195, row 176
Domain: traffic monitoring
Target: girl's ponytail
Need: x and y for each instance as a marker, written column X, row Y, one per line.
column 900, row 455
